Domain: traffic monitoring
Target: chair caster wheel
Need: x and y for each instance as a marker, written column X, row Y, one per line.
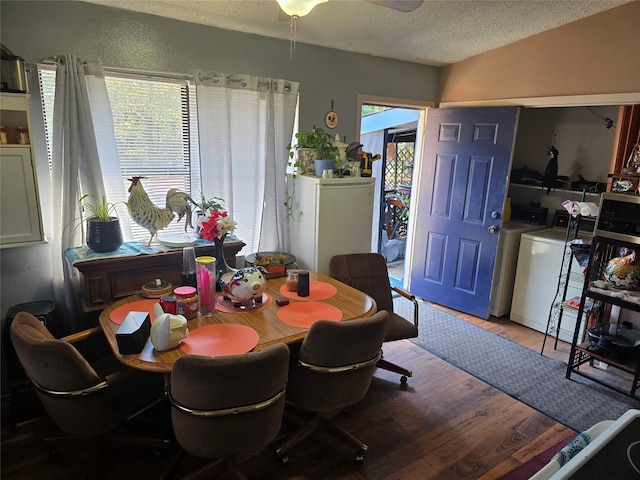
column 359, row 458
column 403, row 380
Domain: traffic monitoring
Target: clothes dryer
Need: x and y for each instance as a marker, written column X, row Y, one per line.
column 536, row 281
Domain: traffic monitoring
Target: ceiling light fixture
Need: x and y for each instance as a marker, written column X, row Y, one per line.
column 296, row 9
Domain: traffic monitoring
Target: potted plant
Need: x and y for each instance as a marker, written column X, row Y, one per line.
column 273, row 263
column 203, row 205
column 318, row 146
column 103, row 225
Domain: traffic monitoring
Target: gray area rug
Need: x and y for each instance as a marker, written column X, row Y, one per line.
column 521, row 373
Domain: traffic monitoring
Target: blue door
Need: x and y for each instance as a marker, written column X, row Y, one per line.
column 463, row 181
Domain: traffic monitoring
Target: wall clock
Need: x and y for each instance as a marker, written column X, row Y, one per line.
column 331, row 120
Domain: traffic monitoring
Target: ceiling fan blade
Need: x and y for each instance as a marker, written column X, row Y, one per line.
column 399, row 5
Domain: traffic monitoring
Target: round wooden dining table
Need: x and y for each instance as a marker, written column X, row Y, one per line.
column 247, row 329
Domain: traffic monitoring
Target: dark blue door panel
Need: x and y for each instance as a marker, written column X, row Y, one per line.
column 463, row 182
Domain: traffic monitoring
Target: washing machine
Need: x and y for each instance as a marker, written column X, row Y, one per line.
column 538, row 273
column 506, row 263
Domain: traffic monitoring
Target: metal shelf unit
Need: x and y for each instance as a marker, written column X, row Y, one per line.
column 560, row 301
column 602, row 250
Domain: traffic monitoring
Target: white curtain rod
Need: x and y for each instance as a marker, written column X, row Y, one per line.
column 128, row 71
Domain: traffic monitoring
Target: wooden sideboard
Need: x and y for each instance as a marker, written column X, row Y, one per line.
column 107, row 280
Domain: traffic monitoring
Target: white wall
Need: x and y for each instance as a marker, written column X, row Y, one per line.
column 584, row 143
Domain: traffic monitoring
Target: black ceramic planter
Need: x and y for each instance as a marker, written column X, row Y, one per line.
column 104, row 236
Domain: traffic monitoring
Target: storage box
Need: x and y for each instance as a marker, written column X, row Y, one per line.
column 133, row 332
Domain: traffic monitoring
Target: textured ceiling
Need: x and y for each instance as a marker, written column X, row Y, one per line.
column 438, row 33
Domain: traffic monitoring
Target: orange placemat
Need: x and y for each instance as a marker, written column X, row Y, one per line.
column 227, row 307
column 119, row 314
column 220, row 339
column 317, row 291
column 305, row 314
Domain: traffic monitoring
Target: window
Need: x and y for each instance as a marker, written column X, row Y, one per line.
column 155, row 130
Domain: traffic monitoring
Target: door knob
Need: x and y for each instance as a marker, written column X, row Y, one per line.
column 495, row 214
column 493, row 229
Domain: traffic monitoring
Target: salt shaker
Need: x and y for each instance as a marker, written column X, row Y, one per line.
column 303, row 284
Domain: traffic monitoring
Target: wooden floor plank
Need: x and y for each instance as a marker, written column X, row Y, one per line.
column 445, row 424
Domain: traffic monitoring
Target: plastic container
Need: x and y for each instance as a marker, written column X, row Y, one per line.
column 168, row 304
column 186, row 302
column 189, row 267
column 292, row 281
column 23, row 135
column 206, row 273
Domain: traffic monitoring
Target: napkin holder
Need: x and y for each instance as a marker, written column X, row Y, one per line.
column 132, row 334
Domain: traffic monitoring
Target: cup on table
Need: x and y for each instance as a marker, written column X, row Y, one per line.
column 206, row 276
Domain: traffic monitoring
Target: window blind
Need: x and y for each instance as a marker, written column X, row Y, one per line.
column 155, row 130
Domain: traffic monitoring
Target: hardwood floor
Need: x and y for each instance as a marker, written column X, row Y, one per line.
column 444, row 425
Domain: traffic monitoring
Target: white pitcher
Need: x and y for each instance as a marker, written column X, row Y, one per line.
column 167, row 329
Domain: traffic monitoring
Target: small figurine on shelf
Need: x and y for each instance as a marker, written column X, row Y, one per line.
column 366, row 166
column 550, row 177
column 355, row 153
column 623, row 271
column 633, row 164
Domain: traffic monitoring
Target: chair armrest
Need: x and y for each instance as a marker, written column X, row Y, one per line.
column 410, row 297
column 82, row 335
column 119, row 376
column 403, row 292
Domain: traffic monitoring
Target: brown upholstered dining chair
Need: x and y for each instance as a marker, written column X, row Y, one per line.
column 84, row 400
column 333, row 370
column 368, row 273
column 227, row 405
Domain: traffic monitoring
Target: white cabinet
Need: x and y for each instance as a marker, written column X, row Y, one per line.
column 20, row 214
column 330, row 216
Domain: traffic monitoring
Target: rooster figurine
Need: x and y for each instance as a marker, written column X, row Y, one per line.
column 623, row 271
column 153, row 218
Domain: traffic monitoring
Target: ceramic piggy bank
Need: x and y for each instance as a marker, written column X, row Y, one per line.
column 245, row 286
column 167, row 330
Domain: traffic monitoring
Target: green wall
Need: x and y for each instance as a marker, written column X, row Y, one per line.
column 35, row 30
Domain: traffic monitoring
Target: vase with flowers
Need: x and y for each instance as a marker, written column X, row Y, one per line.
column 215, row 226
column 203, row 206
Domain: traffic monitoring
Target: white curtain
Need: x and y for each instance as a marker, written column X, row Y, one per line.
column 245, row 124
column 374, row 143
column 76, row 168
